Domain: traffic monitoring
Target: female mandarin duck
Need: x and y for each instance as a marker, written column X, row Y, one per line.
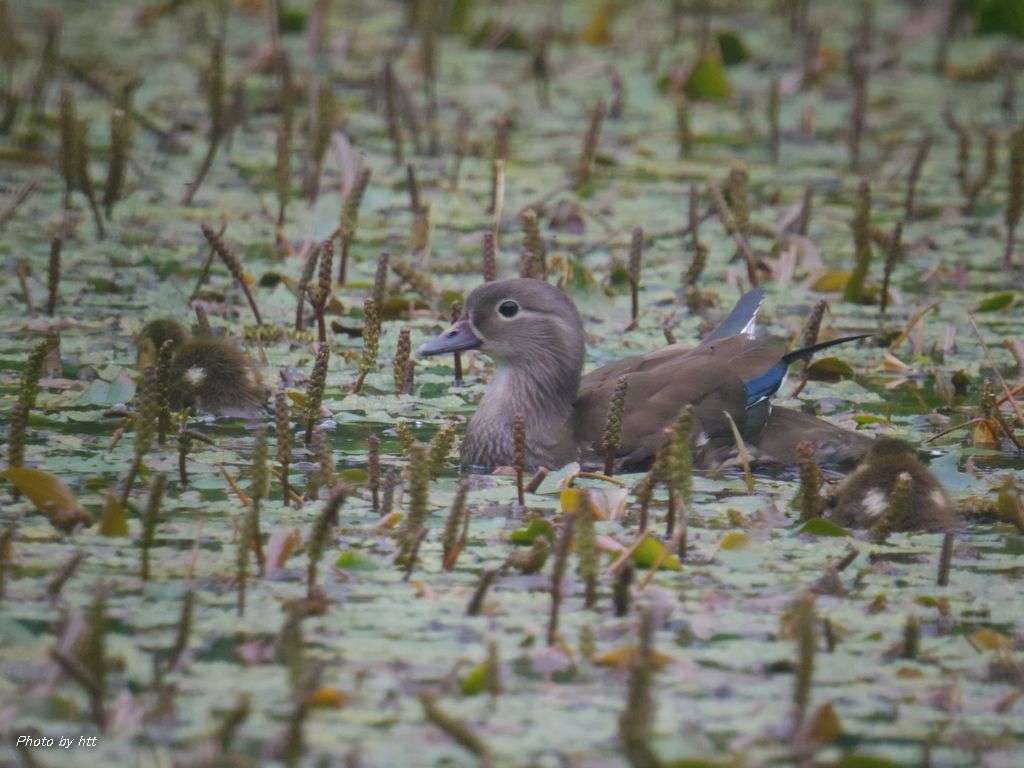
column 207, row 373
column 535, row 336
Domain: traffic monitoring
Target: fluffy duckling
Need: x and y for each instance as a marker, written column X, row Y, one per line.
column 207, row 374
column 534, row 334
column 864, row 497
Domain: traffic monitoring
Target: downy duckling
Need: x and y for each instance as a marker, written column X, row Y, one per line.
column 207, row 373
column 863, row 499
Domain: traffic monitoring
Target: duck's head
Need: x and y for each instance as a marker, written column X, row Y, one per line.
column 152, row 337
column 519, row 323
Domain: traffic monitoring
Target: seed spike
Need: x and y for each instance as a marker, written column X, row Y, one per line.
column 811, row 502
column 612, row 438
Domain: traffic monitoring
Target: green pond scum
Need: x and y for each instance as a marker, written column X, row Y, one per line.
column 310, row 190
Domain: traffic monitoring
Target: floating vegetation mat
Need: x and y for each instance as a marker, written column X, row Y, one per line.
column 320, row 185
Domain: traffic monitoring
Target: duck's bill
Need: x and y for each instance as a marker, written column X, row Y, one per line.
column 457, row 338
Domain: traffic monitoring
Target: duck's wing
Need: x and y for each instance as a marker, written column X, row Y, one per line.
column 742, row 319
column 711, row 378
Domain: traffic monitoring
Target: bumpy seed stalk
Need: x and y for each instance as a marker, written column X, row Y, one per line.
column 534, row 255
column 283, row 172
column 920, row 155
column 636, row 720
column 684, row 133
column 861, row 226
column 803, row 609
column 586, row 548
column 454, row 315
column 403, row 353
column 260, row 489
column 450, row 537
column 149, row 520
column 419, row 493
column 612, row 437
column 900, row 512
column 490, row 263
column 146, row 416
column 440, row 446
column 945, row 560
column 322, row 525
column 774, row 133
column 1015, row 196
column 117, row 166
column 315, row 389
column 283, row 439
column 53, row 275
column 84, row 179
column 68, row 143
column 558, row 574
column 811, row 502
column 303, row 287
column 371, row 343
column 350, row 219
column 234, row 266
column 519, row 455
column 380, row 279
column 636, row 251
column 892, row 257
column 588, row 151
column 373, row 470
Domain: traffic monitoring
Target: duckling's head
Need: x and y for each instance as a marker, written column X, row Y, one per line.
column 520, row 323
column 153, row 336
column 884, row 449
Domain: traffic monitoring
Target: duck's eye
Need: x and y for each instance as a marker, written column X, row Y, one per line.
column 508, row 308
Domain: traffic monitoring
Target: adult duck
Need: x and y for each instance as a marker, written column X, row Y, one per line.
column 534, row 334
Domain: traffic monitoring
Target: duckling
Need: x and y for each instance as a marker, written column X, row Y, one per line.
column 207, row 373
column 535, row 335
column 863, row 499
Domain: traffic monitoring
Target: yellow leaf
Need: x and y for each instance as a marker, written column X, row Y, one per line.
column 622, row 658
column 599, row 29
column 651, row 551
column 989, row 640
column 50, row 495
column 570, row 500
column 114, row 521
column 832, row 281
column 734, row 540
column 326, row 697
column 984, row 435
column 476, row 681
column 391, row 521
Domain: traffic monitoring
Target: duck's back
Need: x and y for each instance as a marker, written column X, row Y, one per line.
column 710, row 377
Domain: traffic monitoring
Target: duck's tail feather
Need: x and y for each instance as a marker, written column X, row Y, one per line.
column 742, row 319
column 762, row 387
